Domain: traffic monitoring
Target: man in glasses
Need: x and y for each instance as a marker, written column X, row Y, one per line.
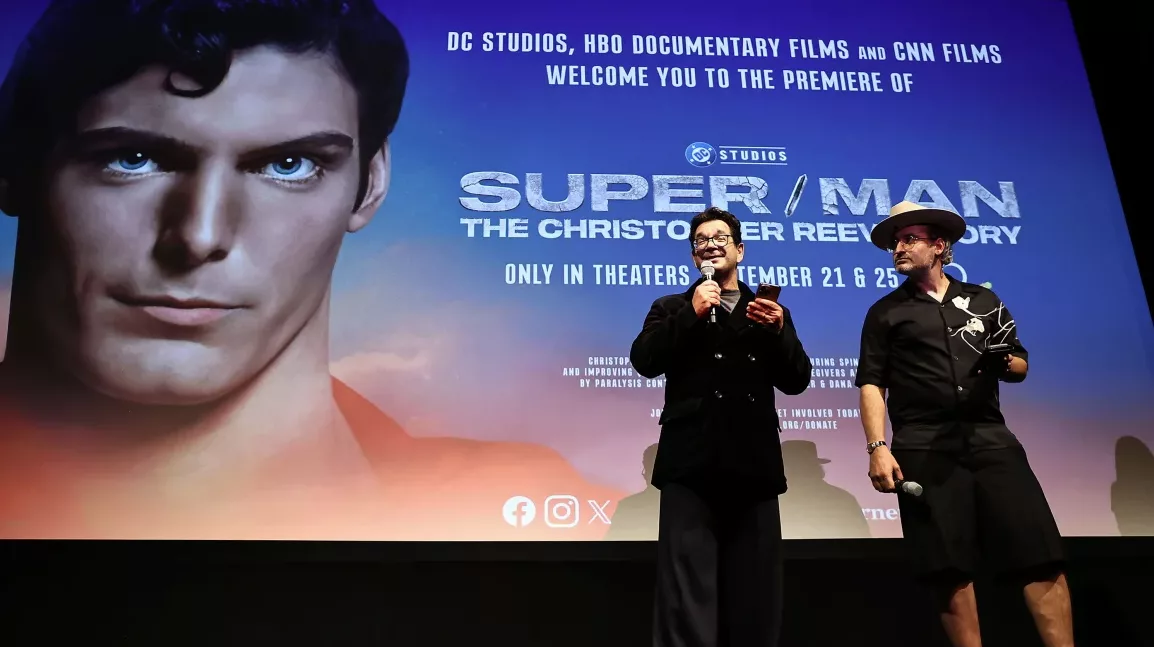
column 719, row 465
column 939, row 347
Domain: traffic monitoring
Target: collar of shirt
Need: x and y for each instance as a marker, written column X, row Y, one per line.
column 956, row 288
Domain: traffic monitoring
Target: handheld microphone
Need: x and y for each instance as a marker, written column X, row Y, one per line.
column 909, row 487
column 707, row 273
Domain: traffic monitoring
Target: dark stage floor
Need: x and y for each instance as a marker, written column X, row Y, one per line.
column 546, row 595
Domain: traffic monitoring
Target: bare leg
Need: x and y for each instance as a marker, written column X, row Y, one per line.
column 959, row 613
column 1049, row 603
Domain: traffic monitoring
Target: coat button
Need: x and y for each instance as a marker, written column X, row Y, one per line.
column 751, row 398
column 717, row 394
column 752, row 358
column 718, row 356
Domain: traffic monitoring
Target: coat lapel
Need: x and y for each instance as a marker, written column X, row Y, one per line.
column 737, row 318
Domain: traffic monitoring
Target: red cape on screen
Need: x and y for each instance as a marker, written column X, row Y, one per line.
column 455, row 488
column 431, row 489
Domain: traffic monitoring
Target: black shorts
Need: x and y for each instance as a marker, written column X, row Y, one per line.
column 978, row 508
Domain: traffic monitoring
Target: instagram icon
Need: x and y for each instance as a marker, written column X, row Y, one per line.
column 562, row 511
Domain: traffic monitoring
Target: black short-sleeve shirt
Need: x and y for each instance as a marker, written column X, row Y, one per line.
column 927, row 355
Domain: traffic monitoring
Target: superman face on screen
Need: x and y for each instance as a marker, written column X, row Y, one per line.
column 180, row 233
column 186, row 241
column 183, row 173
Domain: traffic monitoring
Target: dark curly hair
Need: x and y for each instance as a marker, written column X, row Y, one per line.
column 715, row 213
column 80, row 48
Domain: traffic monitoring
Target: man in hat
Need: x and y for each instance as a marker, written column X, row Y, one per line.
column 932, row 345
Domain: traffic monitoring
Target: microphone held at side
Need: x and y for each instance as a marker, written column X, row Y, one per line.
column 911, row 488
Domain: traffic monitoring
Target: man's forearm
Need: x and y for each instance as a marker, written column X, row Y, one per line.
column 873, row 412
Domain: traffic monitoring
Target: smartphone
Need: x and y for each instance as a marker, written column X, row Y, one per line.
column 994, row 358
column 768, row 291
column 998, row 349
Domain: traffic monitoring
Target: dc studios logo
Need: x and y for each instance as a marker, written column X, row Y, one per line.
column 701, row 154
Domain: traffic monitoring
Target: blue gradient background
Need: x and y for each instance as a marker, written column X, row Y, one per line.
column 493, row 353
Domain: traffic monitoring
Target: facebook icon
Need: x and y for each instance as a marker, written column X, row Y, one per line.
column 519, row 511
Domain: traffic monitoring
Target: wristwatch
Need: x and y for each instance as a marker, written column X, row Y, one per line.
column 870, row 447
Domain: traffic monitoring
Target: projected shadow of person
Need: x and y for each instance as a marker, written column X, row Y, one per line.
column 635, row 518
column 812, row 508
column 1132, row 493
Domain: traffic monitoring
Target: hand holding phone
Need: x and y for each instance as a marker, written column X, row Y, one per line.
column 996, row 359
column 769, row 315
column 768, row 291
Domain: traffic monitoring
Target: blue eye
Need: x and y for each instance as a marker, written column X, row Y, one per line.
column 288, row 165
column 132, row 163
column 293, row 169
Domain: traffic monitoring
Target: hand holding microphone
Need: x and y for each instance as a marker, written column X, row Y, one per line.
column 911, row 488
column 886, row 474
column 707, row 296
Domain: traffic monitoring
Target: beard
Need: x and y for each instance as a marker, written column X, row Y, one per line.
column 907, row 266
column 912, row 265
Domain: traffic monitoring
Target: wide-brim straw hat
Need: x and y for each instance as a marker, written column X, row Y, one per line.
column 906, row 214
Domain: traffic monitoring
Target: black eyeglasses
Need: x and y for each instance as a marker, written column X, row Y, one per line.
column 721, row 240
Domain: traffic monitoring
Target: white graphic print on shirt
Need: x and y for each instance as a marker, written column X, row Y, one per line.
column 975, row 334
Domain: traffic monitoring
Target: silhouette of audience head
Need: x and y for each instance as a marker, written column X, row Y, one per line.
column 1132, row 459
column 648, row 457
column 812, row 508
column 1132, row 493
column 801, row 461
column 636, row 516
